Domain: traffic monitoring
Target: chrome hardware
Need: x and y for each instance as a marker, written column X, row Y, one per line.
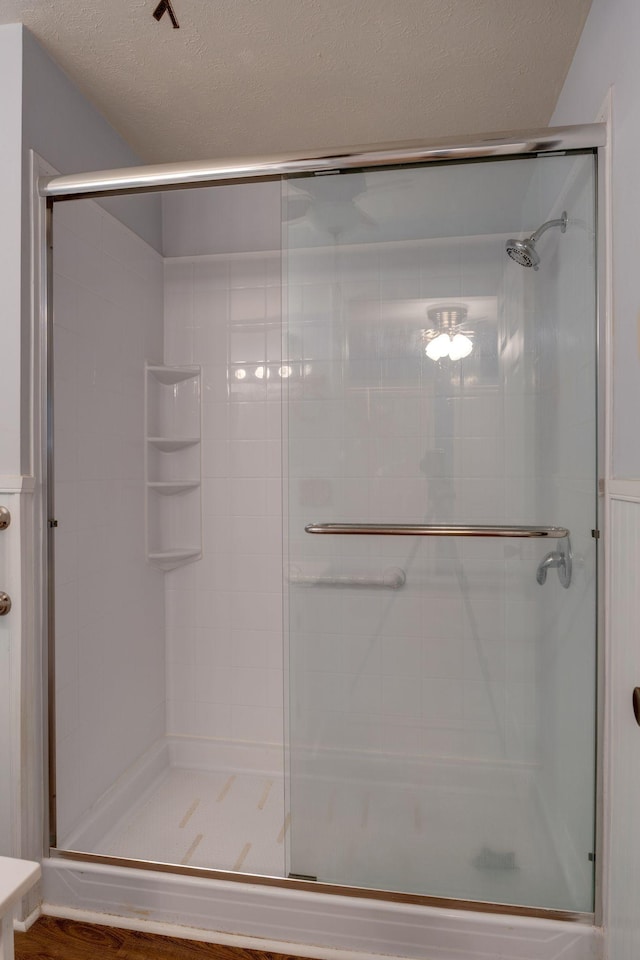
column 165, row 175
column 436, row 530
column 5, row 603
column 561, row 560
column 636, row 705
column 391, row 579
column 5, row 518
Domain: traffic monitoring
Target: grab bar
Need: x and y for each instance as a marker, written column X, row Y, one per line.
column 391, row 579
column 436, row 530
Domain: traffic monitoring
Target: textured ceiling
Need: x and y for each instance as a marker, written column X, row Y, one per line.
column 247, row 77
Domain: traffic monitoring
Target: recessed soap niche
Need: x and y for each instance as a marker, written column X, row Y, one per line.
column 173, row 464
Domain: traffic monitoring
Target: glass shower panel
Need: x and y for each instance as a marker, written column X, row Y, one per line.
column 167, row 564
column 442, row 698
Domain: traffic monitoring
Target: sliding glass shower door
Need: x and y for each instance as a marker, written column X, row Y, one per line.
column 440, row 425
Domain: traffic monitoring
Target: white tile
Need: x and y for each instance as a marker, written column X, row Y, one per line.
column 485, row 658
column 181, row 682
column 180, row 717
column 264, row 611
column 248, row 458
column 215, row 381
column 215, row 685
column 401, row 656
column 252, row 686
column 248, row 421
column 443, row 618
column 484, row 704
column 212, row 720
column 211, row 274
column 248, row 497
column 214, row 648
column 404, row 616
column 210, row 322
column 250, row 648
column 358, row 655
column 180, row 608
column 180, row 645
column 215, row 458
column 442, row 702
column 247, row 305
column 261, row 724
column 247, row 271
column 247, row 345
column 253, row 573
column 324, row 691
column 401, row 696
column 260, row 535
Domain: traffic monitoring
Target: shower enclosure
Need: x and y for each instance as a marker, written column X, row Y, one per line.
column 323, row 520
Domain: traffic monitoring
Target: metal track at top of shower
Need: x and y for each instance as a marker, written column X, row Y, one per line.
column 168, row 176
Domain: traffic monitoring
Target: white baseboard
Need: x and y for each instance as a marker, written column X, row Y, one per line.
column 23, row 925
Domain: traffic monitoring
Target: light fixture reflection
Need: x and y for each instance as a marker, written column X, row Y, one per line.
column 438, row 348
column 285, row 372
column 262, row 372
column 461, row 347
column 443, row 346
column 240, row 373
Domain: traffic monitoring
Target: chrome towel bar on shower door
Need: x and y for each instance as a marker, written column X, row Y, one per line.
column 437, row 530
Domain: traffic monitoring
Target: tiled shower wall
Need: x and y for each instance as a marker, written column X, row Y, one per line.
column 109, row 639
column 224, row 613
column 446, row 666
column 453, row 676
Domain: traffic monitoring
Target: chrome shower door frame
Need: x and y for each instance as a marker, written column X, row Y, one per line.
column 155, row 178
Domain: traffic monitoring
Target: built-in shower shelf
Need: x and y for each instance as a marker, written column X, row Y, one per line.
column 171, row 375
column 171, row 444
column 170, row 559
column 173, row 464
column 168, row 487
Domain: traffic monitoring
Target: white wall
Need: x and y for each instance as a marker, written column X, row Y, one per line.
column 64, row 128
column 607, row 55
column 10, row 254
column 231, row 218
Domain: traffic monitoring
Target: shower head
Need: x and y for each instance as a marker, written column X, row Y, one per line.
column 524, row 251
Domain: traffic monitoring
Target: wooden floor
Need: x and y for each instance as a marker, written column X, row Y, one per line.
column 53, row 939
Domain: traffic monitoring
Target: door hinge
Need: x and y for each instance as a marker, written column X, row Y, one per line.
column 595, row 534
column 52, row 524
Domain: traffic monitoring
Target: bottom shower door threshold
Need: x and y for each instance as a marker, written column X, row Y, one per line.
column 304, row 918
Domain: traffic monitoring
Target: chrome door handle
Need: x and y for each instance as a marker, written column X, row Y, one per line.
column 5, row 518
column 438, row 530
column 5, row 603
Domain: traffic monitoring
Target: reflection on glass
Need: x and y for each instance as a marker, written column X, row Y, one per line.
column 441, row 734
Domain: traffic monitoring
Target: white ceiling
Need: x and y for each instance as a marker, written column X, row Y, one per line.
column 252, row 77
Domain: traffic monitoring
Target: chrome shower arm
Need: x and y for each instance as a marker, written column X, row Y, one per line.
column 559, row 222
